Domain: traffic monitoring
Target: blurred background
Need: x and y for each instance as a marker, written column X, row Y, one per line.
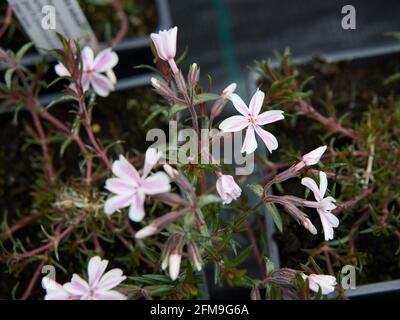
column 225, row 36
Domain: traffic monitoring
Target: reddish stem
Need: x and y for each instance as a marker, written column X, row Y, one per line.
column 34, row 279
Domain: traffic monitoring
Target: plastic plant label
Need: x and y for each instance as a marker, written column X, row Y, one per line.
column 42, row 19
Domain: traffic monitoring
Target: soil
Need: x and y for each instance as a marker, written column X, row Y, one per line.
column 355, row 83
column 142, row 20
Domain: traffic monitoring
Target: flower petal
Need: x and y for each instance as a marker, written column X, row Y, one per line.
column 311, row 184
column 250, row 142
column 61, row 70
column 110, row 280
column 256, row 103
column 102, row 85
column 96, row 268
column 150, row 160
column 105, row 60
column 108, row 295
column 120, row 186
column 159, row 46
column 239, row 104
column 233, row 124
column 326, row 225
column 87, row 58
column 123, row 169
column 268, row 138
column 118, row 202
column 323, row 183
column 85, row 82
column 77, row 286
column 269, row 117
column 172, row 37
column 156, row 183
column 136, row 210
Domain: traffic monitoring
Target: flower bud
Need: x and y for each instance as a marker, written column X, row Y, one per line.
column 227, row 188
column 146, row 232
column 309, row 226
column 194, row 255
column 228, row 91
column 175, row 264
column 255, row 294
column 179, row 178
column 193, row 75
column 161, row 88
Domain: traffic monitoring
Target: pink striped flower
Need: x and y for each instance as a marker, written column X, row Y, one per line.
column 323, row 205
column 93, row 69
column 56, row 291
column 100, row 284
column 131, row 188
column 227, row 188
column 165, row 43
column 251, row 119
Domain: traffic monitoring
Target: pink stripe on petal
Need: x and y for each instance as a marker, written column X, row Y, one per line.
column 117, row 202
column 269, row 117
column 126, row 171
column 110, row 280
column 256, row 103
column 234, row 123
column 250, row 142
column 136, row 210
column 268, row 138
column 239, row 104
column 102, row 85
column 77, row 286
column 158, row 44
column 120, row 186
column 85, row 82
column 87, row 58
column 155, row 184
column 96, row 268
column 105, row 60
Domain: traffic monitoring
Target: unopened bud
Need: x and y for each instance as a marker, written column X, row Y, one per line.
column 161, row 88
column 175, row 264
column 309, row 226
column 146, row 232
column 155, row 83
column 314, row 156
column 179, row 178
column 255, row 294
column 194, row 255
column 193, row 75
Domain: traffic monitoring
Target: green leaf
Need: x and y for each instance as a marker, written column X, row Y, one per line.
column 208, row 199
column 60, row 99
column 257, row 189
column 275, row 215
column 204, row 97
column 176, row 108
column 159, row 291
column 23, row 50
column 8, row 77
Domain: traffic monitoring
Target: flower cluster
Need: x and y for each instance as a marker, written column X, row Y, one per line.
column 99, row 286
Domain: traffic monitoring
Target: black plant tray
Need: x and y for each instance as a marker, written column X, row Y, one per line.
column 131, row 51
column 378, row 290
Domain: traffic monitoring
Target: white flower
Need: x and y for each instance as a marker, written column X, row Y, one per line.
column 314, row 156
column 100, row 284
column 317, row 281
column 131, row 188
column 165, row 43
column 56, row 291
column 93, row 69
column 227, row 188
column 251, row 119
column 174, row 264
column 323, row 205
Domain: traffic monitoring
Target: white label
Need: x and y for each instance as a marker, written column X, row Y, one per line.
column 41, row 19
